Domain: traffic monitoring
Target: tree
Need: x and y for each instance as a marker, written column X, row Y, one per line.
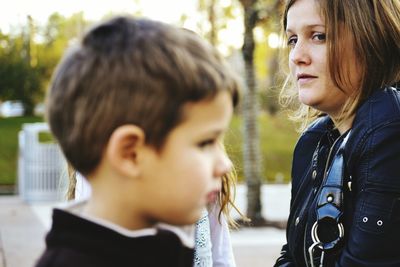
column 20, row 79
column 209, row 7
column 58, row 33
column 251, row 153
column 215, row 17
column 26, row 64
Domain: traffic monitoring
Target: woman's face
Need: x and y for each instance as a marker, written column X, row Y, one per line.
column 308, row 59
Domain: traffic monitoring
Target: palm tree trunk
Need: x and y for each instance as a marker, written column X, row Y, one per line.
column 251, row 149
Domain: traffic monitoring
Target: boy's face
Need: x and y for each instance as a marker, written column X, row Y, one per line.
column 181, row 179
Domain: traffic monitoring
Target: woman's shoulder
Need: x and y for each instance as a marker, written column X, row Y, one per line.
column 381, row 107
column 378, row 116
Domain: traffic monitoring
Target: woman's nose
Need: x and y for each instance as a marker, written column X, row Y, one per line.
column 300, row 54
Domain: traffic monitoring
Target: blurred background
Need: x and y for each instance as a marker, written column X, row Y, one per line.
column 35, row 34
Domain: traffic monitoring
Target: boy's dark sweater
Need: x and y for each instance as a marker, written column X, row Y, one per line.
column 76, row 242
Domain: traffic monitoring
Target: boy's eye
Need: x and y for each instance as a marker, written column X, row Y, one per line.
column 319, row 36
column 207, row 143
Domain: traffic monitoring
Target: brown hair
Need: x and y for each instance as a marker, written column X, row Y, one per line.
column 374, row 28
column 130, row 71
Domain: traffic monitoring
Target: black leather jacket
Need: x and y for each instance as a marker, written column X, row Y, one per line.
column 372, row 207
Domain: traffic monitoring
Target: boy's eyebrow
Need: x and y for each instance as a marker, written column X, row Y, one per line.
column 216, row 132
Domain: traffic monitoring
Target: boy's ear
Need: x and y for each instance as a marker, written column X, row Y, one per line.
column 122, row 149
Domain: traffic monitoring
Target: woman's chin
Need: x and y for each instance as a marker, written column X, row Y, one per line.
column 306, row 100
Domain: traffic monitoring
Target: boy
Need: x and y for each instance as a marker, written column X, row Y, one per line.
column 139, row 108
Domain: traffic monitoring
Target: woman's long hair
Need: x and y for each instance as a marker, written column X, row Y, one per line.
column 373, row 27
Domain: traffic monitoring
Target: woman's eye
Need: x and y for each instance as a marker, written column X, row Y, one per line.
column 292, row 41
column 319, row 36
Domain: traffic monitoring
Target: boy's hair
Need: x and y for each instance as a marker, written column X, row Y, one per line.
column 130, row 71
column 374, row 28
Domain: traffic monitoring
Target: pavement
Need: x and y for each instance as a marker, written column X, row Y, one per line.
column 23, row 227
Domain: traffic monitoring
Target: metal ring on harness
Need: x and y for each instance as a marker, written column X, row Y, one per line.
column 316, row 239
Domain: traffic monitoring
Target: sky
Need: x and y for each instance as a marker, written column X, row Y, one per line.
column 14, row 12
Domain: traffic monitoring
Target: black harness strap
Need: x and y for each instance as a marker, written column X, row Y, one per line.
column 328, row 230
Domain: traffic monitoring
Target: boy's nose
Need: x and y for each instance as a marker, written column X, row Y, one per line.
column 223, row 166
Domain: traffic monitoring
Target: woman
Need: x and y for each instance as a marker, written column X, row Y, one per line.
column 344, row 63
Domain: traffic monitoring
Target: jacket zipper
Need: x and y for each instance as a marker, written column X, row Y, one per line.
column 305, row 250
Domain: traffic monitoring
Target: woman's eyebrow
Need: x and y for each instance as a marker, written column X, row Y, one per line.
column 308, row 26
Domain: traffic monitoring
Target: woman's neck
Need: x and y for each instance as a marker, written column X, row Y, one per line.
column 344, row 125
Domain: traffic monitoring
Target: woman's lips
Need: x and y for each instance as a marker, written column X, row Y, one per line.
column 305, row 78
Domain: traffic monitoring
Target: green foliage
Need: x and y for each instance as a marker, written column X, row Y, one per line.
column 46, row 137
column 277, row 140
column 9, row 128
column 25, row 70
column 57, row 34
column 19, row 79
column 29, row 57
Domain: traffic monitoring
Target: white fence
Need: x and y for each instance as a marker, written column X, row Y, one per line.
column 275, row 200
column 41, row 166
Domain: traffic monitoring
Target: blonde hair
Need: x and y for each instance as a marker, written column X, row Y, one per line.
column 71, row 182
column 226, row 200
column 374, row 29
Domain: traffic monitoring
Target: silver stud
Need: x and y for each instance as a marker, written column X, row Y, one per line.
column 297, row 221
column 379, row 223
column 314, row 174
column 365, row 219
column 329, row 198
